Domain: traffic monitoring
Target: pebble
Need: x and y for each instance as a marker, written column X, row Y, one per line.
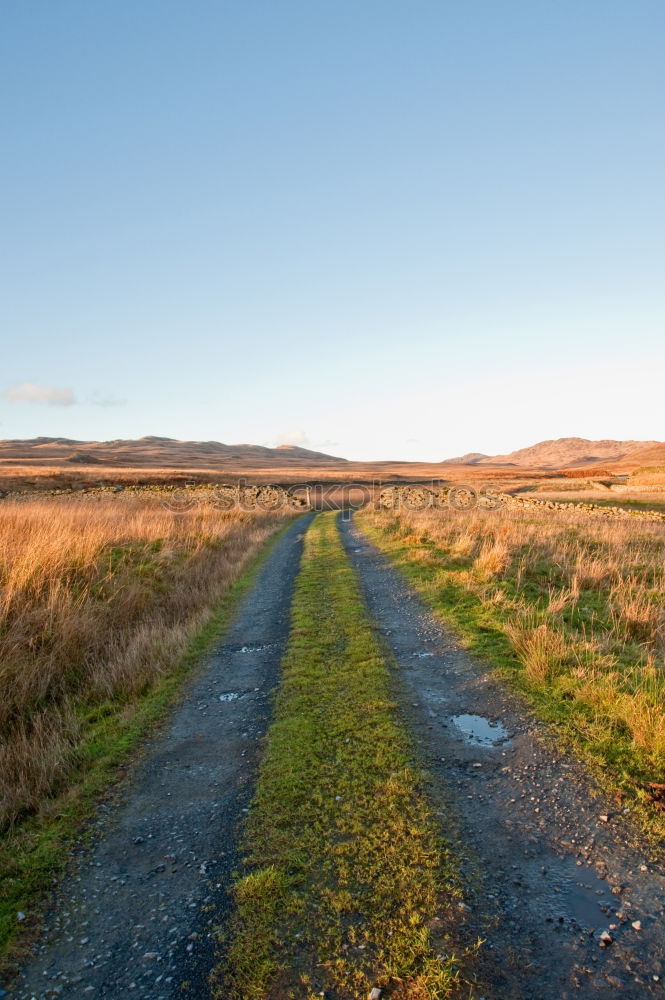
column 605, row 939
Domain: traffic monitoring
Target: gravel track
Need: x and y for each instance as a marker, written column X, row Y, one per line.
column 136, row 916
column 547, row 874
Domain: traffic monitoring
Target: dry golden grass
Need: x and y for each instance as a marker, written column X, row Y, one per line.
column 97, row 600
column 649, row 479
column 21, row 477
column 51, row 474
column 582, row 602
column 542, row 649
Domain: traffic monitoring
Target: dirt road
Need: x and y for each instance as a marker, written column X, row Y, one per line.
column 546, row 874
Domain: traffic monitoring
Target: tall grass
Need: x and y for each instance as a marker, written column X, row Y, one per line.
column 98, row 599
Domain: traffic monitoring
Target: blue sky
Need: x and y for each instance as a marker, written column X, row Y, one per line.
column 384, row 229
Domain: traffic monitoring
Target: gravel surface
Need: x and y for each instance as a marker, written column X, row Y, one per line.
column 567, row 907
column 135, row 918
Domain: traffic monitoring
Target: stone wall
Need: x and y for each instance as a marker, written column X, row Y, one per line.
column 466, row 498
column 224, row 496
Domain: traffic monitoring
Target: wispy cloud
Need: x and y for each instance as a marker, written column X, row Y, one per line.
column 30, row 392
column 101, row 399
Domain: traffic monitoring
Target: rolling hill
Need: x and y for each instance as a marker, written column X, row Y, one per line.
column 564, row 453
column 157, row 452
column 472, row 458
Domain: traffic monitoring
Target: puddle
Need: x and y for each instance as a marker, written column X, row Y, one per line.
column 421, row 656
column 254, row 649
column 479, row 730
column 585, row 902
column 229, row 696
column 579, row 894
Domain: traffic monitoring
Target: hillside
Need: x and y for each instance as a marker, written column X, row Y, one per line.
column 161, row 452
column 563, row 453
column 639, row 458
column 472, row 458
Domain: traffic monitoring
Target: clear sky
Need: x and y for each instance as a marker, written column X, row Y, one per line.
column 383, row 229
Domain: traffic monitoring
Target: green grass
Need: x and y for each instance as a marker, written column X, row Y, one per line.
column 345, row 884
column 479, row 620
column 34, row 857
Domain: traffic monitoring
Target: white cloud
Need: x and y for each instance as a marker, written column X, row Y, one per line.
column 295, row 436
column 30, row 392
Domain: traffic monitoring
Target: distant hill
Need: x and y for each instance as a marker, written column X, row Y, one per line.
column 157, row 452
column 563, row 453
column 472, row 458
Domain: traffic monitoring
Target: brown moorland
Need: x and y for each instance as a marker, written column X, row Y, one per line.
column 43, row 464
column 63, row 463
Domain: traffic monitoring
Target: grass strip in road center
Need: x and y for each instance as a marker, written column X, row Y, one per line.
column 345, row 885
